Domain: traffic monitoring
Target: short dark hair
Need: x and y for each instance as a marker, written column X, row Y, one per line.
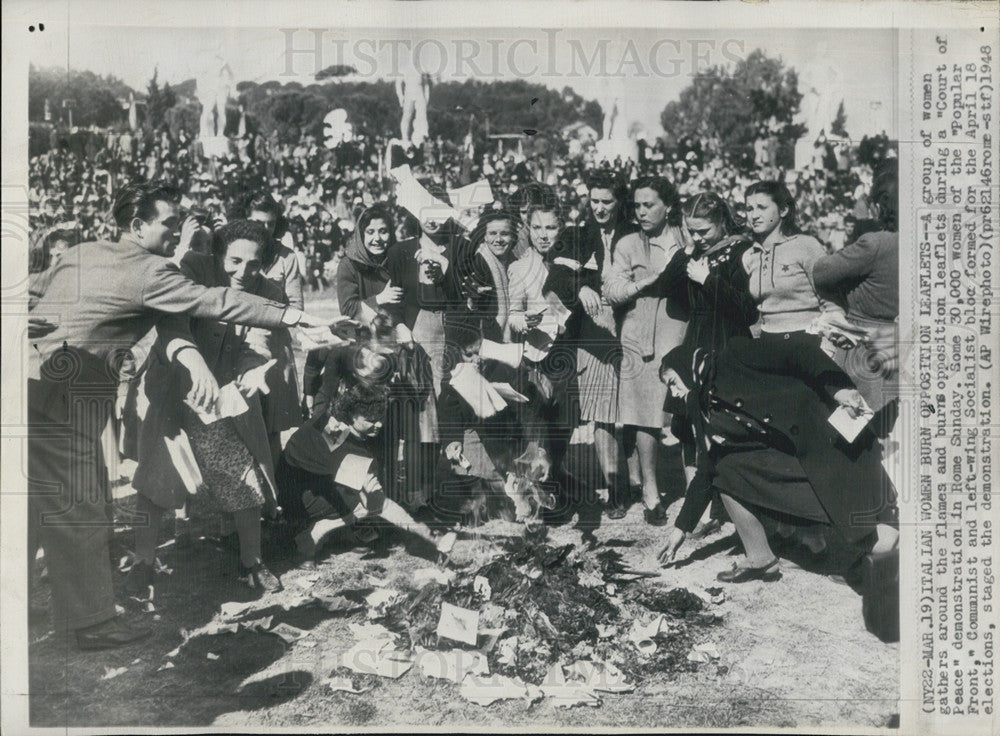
column 378, row 211
column 667, row 193
column 239, row 230
column 138, row 200
column 783, row 198
column 361, row 400
column 599, row 179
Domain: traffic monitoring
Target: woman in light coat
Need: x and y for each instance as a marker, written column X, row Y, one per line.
column 650, row 325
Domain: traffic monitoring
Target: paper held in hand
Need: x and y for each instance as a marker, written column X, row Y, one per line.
column 229, row 404
column 476, row 391
column 353, row 471
column 312, row 338
column 848, row 426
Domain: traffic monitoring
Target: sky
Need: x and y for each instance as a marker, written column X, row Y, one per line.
column 645, row 68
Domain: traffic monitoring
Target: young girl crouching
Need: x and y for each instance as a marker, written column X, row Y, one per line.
column 327, row 476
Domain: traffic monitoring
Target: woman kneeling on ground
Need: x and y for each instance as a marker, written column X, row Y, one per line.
column 327, row 476
column 764, row 441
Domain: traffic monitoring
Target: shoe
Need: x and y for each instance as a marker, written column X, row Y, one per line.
column 109, row 634
column 139, row 580
column 656, row 516
column 704, row 529
column 305, row 551
column 767, row 573
column 260, row 578
column 366, row 533
column 616, row 511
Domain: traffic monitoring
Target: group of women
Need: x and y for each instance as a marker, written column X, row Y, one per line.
column 655, row 317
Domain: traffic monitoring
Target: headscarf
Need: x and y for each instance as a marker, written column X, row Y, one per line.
column 696, row 368
column 356, row 249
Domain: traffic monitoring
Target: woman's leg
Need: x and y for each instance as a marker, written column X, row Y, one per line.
column 751, row 532
column 606, row 448
column 631, row 451
column 647, row 446
column 248, row 529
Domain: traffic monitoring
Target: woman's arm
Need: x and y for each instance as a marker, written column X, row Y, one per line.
column 618, row 287
column 728, row 285
column 809, row 251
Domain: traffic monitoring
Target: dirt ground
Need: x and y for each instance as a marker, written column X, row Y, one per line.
column 792, row 653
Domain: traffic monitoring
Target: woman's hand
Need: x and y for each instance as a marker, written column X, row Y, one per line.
column 390, row 294
column 697, row 271
column 518, row 323
column 204, row 388
column 334, row 427
column 591, row 301
column 852, row 400
column 669, row 551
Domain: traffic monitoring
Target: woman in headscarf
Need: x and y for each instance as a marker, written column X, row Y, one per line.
column 651, row 325
column 761, row 424
column 365, row 289
column 363, row 285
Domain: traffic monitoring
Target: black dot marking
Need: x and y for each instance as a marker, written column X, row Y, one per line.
column 41, row 26
column 31, row 29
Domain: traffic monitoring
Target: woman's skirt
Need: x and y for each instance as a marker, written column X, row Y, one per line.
column 770, row 479
column 233, row 479
column 599, row 355
column 428, row 332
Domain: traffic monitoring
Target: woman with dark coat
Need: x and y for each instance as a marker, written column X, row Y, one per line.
column 481, row 269
column 761, row 422
column 707, row 279
column 363, row 275
column 577, row 277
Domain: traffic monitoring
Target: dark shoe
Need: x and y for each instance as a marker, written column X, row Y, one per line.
column 260, row 578
column 365, row 533
column 109, row 634
column 617, row 511
column 656, row 516
column 139, row 580
column 305, row 551
column 704, row 529
column 767, row 574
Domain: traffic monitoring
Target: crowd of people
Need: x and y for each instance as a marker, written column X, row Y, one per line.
column 674, row 300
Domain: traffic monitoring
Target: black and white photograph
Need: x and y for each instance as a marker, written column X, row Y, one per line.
column 379, row 374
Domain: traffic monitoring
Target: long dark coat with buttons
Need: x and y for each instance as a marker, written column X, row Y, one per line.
column 784, row 384
column 229, row 350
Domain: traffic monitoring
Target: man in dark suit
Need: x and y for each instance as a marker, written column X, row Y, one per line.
column 98, row 306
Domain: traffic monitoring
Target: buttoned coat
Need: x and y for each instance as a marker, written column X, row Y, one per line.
column 229, row 350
